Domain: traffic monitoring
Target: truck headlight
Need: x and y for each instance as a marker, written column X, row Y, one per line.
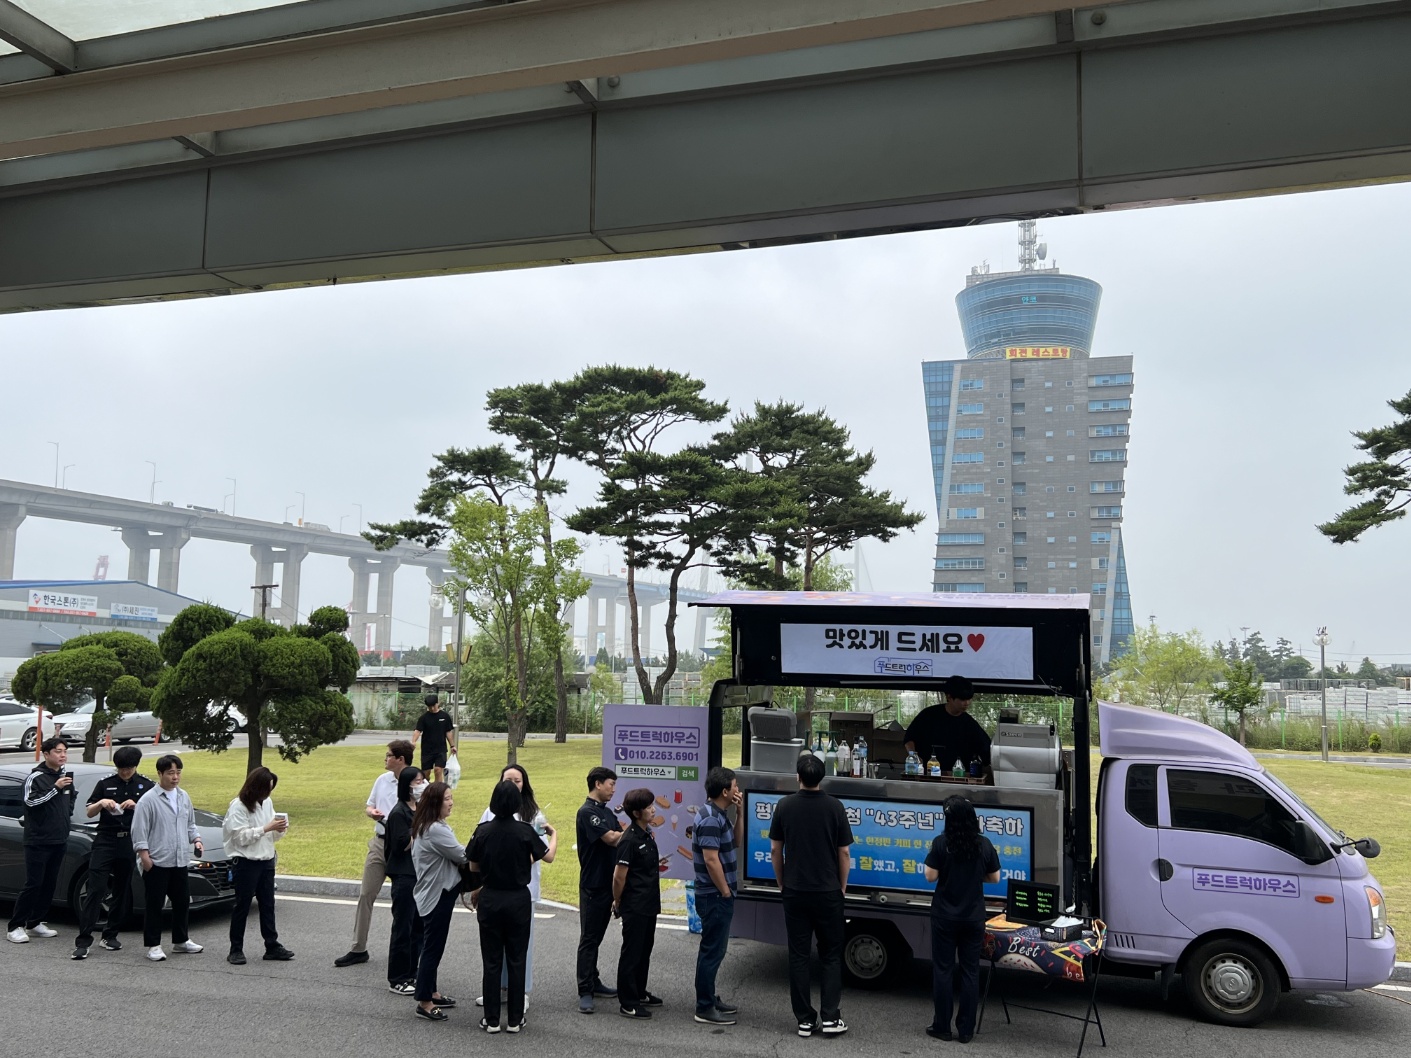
column 1379, row 913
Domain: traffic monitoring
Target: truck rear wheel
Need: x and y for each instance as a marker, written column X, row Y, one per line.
column 873, row 953
column 1231, row 981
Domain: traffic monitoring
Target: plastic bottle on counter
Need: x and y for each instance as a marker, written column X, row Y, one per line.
column 844, row 766
column 859, row 754
column 977, row 768
column 818, row 744
column 830, row 757
column 933, row 766
column 913, row 763
column 958, row 772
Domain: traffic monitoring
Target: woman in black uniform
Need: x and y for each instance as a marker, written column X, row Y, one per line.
column 960, row 862
column 404, row 948
column 636, row 898
column 502, row 851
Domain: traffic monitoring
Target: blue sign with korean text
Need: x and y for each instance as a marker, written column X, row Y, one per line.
column 891, row 839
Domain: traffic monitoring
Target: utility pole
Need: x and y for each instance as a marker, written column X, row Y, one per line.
column 1321, row 638
column 460, row 638
column 264, row 590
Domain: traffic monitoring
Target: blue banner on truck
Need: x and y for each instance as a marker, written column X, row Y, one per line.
column 893, row 837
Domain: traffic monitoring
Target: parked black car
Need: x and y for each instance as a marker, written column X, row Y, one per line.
column 212, row 881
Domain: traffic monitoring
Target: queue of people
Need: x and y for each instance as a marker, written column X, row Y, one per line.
column 414, row 844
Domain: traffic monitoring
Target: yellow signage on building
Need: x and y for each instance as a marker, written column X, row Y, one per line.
column 1037, row 352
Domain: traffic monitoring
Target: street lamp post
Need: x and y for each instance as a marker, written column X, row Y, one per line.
column 56, row 463
column 1321, row 638
column 303, row 506
column 152, row 496
column 64, row 477
column 231, row 497
column 359, row 506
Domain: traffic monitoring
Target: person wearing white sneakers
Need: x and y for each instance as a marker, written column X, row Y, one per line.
column 163, row 828
column 48, row 805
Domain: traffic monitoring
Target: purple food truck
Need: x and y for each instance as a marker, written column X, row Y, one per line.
column 1206, row 865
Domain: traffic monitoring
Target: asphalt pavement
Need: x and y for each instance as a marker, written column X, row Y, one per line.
column 118, row 1002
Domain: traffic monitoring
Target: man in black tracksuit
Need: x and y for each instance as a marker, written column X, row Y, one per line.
column 112, row 801
column 48, row 808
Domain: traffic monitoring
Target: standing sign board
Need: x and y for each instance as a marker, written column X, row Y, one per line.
column 664, row 748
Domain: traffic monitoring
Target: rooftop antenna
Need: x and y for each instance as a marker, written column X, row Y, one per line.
column 1029, row 255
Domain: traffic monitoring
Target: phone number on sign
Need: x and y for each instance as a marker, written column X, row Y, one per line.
column 624, row 753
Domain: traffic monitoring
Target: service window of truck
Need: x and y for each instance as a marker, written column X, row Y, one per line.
column 1203, row 864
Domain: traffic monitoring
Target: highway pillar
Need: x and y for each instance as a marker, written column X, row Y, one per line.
column 645, row 610
column 357, row 608
column 11, row 515
column 610, row 626
column 263, row 555
column 386, row 572
column 291, row 560
column 437, row 623
column 139, row 554
column 593, row 601
column 169, row 545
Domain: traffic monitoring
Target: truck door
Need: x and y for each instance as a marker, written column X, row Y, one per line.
column 1230, row 844
column 1139, row 928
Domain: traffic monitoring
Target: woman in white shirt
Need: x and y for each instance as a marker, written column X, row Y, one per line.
column 437, row 856
column 250, row 830
column 530, row 813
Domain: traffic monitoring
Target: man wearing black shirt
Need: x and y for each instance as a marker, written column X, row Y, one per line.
column 48, row 805
column 809, row 838
column 598, row 834
column 949, row 731
column 112, row 800
column 439, row 731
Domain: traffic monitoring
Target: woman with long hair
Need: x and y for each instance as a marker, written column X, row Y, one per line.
column 529, row 812
column 959, row 864
column 503, row 851
column 437, row 857
column 404, row 948
column 636, row 898
column 250, row 830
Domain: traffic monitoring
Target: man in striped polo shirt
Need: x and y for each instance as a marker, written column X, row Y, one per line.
column 714, row 841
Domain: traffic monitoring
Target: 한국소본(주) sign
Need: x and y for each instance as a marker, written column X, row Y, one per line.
column 907, row 651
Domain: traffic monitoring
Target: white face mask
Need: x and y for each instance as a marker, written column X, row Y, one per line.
column 416, row 792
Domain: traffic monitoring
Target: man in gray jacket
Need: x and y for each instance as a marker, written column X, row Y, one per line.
column 163, row 829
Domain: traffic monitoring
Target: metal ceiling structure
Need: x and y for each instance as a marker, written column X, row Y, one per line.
column 323, row 141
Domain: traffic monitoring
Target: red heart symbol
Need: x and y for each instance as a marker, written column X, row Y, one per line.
column 976, row 640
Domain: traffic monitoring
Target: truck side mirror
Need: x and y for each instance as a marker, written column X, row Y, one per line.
column 1308, row 846
column 1369, row 847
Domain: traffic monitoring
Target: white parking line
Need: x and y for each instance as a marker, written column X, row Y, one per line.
column 1393, row 988
column 382, row 903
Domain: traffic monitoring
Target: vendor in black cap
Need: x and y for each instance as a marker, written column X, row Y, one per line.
column 949, row 731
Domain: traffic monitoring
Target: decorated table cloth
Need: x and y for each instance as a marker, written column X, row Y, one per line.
column 1016, row 946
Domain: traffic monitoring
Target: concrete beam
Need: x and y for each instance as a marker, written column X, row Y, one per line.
column 139, row 554
column 169, row 546
column 386, row 574
column 493, row 49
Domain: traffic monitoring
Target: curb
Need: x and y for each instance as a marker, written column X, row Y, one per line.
column 1401, row 972
column 349, row 888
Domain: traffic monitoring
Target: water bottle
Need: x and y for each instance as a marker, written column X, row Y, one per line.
column 958, row 772
column 860, row 757
column 913, row 763
column 693, row 917
column 844, row 758
column 830, row 757
column 933, row 766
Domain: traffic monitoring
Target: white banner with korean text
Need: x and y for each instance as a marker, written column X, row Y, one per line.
column 63, row 602
column 907, row 651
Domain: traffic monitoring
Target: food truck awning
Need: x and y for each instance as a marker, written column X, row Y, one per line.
column 1004, row 643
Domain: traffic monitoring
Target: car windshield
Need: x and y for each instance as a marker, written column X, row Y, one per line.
column 1302, row 805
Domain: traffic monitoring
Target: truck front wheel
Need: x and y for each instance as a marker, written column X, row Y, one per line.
column 1231, row 982
column 873, row 952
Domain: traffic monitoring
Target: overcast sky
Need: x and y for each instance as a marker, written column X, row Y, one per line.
column 1263, row 332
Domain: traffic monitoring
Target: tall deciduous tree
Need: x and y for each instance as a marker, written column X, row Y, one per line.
column 515, row 586
column 291, row 682
column 1385, row 478
column 537, row 416
column 116, row 669
column 1242, row 693
column 617, row 426
column 1164, row 669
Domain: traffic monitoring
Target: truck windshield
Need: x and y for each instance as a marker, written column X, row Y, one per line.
column 1299, row 801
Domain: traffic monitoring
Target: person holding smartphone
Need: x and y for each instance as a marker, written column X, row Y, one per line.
column 163, row 833
column 251, row 828
column 113, row 800
column 48, row 806
column 636, row 899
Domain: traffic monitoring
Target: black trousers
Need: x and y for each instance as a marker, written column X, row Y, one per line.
column 638, row 937
column 404, row 949
column 109, row 864
column 41, row 874
column 254, row 879
column 505, row 916
column 806, row 916
column 435, row 928
column 950, row 939
column 159, row 884
column 594, row 914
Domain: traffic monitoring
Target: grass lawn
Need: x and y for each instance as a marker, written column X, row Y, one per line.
column 328, row 832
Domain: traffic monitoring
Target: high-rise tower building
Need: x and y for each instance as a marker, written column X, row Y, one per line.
column 1029, row 444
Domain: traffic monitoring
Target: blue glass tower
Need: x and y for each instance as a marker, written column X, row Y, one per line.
column 1028, row 437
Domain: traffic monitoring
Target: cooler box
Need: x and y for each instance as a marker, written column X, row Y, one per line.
column 774, row 742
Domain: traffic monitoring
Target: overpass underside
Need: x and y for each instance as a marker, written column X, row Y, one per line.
column 286, row 148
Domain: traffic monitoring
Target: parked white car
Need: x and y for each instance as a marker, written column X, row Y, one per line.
column 18, row 729
column 139, row 724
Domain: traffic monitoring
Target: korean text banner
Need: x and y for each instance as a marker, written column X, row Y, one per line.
column 62, row 602
column 1037, row 352
column 891, row 839
column 133, row 613
column 907, row 651
column 662, row 748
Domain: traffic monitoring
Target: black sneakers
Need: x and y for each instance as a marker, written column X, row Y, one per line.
column 352, row 958
column 641, row 1013
column 714, row 1016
